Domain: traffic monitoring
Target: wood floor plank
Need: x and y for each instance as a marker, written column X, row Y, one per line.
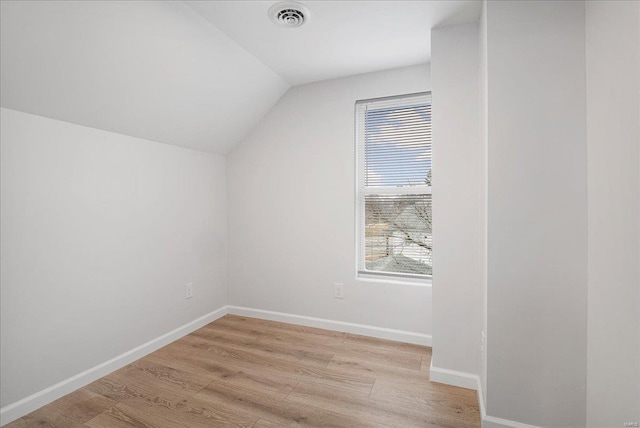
column 394, row 358
column 166, row 404
column 274, row 327
column 425, row 365
column 460, row 405
column 238, row 373
column 355, row 366
column 265, row 424
column 50, row 417
column 182, row 382
column 388, row 345
column 290, row 352
column 381, row 411
column 205, row 337
column 340, row 401
column 69, row 411
column 181, row 348
column 22, row 423
column 123, row 416
column 79, row 407
column 218, row 327
column 277, row 410
column 273, row 332
column 358, row 382
column 422, row 393
column 182, row 363
column 88, row 409
column 290, row 337
column 218, row 359
column 244, row 372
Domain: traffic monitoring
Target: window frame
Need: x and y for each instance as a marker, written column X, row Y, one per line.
column 362, row 191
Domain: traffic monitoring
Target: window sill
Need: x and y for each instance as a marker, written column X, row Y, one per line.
column 415, row 282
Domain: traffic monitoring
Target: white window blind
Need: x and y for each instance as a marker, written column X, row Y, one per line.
column 393, row 140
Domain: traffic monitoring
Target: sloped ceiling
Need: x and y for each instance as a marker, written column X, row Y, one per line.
column 197, row 74
column 154, row 70
column 341, row 38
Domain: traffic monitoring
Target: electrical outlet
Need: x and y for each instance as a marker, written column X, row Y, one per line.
column 338, row 291
column 483, row 340
column 188, row 290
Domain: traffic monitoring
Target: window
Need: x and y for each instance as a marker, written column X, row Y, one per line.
column 393, row 143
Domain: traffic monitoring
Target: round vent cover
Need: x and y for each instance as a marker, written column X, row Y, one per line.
column 289, row 14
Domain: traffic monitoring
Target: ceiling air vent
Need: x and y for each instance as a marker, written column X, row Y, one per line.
column 289, row 14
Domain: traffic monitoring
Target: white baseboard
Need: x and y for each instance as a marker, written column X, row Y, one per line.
column 472, row 381
column 27, row 405
column 453, row 377
column 493, row 422
column 347, row 327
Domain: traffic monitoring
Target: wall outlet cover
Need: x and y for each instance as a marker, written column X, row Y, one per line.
column 338, row 291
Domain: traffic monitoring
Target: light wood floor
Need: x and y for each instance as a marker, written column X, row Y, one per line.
column 244, row 372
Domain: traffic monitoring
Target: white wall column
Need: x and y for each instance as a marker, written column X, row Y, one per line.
column 457, row 208
column 613, row 109
column 537, row 213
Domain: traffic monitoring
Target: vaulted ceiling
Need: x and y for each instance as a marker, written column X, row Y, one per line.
column 197, row 74
column 341, row 38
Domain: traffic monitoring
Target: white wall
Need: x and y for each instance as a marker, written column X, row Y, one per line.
column 100, row 233
column 537, row 212
column 291, row 209
column 458, row 181
column 613, row 108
